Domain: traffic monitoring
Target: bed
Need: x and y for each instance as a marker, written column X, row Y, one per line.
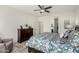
column 52, row 43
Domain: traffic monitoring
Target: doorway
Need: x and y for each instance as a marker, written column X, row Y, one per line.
column 55, row 25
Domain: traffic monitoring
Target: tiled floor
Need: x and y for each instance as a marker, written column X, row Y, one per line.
column 20, row 48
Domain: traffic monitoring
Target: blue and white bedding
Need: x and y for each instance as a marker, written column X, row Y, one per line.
column 50, row 43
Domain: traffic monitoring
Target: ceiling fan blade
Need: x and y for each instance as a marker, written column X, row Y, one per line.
column 37, row 10
column 47, row 11
column 48, row 7
column 40, row 6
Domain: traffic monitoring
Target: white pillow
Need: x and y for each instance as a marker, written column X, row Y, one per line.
column 61, row 35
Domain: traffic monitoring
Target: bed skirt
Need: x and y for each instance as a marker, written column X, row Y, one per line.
column 32, row 50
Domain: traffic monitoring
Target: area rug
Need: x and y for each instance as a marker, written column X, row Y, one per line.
column 20, row 48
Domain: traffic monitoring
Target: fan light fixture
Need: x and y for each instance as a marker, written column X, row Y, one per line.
column 41, row 10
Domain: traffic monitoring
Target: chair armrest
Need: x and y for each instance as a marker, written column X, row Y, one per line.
column 1, row 44
column 7, row 40
column 8, row 45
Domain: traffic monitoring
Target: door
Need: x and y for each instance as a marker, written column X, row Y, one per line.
column 56, row 25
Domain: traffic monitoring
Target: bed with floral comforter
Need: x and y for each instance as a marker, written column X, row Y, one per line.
column 51, row 42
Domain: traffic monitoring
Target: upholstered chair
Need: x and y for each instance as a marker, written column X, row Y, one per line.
column 6, row 45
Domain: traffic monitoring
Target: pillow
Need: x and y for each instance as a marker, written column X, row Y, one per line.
column 67, row 33
column 76, row 49
column 74, row 38
column 65, row 37
column 63, row 41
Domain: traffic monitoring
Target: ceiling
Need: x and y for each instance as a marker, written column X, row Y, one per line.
column 30, row 9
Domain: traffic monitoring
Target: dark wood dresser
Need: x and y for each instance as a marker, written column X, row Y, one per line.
column 24, row 34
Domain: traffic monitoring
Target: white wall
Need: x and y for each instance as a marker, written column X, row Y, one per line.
column 11, row 19
column 77, row 16
column 48, row 20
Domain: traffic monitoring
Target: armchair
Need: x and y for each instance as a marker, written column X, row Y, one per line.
column 6, row 45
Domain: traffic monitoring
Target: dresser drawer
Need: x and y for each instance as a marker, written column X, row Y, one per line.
column 24, row 34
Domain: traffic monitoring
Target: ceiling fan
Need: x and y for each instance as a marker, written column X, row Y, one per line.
column 43, row 9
